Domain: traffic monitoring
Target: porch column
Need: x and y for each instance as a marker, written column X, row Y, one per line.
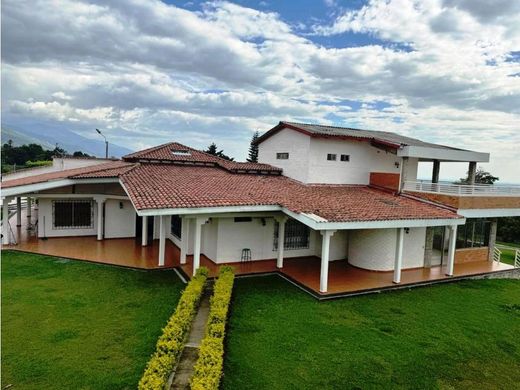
column 144, row 230
column 185, row 236
column 436, row 170
column 451, row 250
column 404, row 172
column 162, row 239
column 281, row 240
column 100, row 202
column 325, row 253
column 472, row 170
column 197, row 241
column 492, row 238
column 5, row 221
column 18, row 211
column 398, row 255
column 428, row 247
column 29, row 207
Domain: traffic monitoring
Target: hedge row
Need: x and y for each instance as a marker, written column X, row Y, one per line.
column 171, row 342
column 208, row 368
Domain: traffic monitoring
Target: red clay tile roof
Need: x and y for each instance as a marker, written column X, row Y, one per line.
column 174, row 152
column 156, row 186
column 110, row 169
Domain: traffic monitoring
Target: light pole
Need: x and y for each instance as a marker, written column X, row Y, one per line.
column 106, row 142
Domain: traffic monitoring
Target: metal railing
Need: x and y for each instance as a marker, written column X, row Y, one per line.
column 516, row 263
column 497, row 254
column 462, row 189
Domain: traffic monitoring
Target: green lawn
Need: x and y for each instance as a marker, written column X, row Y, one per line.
column 463, row 335
column 74, row 325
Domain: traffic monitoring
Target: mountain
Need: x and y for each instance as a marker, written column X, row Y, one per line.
column 66, row 139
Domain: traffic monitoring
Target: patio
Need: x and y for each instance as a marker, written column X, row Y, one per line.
column 305, row 271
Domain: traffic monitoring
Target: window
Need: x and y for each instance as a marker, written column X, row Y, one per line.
column 331, row 157
column 72, row 214
column 243, row 219
column 176, row 226
column 181, row 152
column 345, row 157
column 282, row 156
column 297, row 235
column 473, row 234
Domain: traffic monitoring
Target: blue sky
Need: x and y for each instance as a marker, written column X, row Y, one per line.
column 148, row 72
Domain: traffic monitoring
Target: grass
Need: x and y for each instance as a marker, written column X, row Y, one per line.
column 74, row 325
column 463, row 335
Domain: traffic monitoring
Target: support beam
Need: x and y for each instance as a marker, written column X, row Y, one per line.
column 100, row 202
column 451, row 250
column 492, row 238
column 325, row 257
column 29, row 207
column 185, row 236
column 281, row 240
column 18, row 211
column 144, row 231
column 472, row 171
column 197, row 243
column 436, row 171
column 162, row 239
column 398, row 255
column 5, row 221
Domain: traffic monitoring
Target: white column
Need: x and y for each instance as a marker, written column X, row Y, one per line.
column 398, row 255
column 144, row 230
column 197, row 241
column 325, row 254
column 451, row 250
column 185, row 236
column 100, row 202
column 29, row 207
column 5, row 221
column 18, row 211
column 281, row 238
column 162, row 239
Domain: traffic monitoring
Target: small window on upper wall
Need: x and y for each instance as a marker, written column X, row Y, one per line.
column 331, row 157
column 282, row 156
column 345, row 157
column 243, row 219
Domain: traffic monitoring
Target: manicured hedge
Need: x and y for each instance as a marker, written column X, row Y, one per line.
column 208, row 369
column 171, row 342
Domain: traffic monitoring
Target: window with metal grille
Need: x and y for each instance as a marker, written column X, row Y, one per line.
column 297, row 235
column 282, row 156
column 345, row 157
column 331, row 157
column 176, row 226
column 72, row 214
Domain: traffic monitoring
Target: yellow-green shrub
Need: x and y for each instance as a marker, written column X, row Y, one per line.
column 208, row 368
column 171, row 342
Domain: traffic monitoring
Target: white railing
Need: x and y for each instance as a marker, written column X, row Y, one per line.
column 517, row 259
column 497, row 254
column 462, row 189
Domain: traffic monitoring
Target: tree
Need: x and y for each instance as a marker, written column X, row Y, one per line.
column 481, row 177
column 213, row 150
column 253, row 148
column 79, row 153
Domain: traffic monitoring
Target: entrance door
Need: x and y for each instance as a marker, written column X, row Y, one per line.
column 439, row 246
column 139, row 228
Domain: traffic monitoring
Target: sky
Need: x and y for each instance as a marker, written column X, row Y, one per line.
column 149, row 72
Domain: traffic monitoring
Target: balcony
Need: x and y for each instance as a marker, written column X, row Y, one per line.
column 504, row 200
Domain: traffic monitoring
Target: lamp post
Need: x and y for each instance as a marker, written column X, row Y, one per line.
column 106, row 142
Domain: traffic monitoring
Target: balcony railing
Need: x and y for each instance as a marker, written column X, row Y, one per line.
column 462, row 189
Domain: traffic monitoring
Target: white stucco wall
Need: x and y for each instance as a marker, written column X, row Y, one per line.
column 364, row 159
column 287, row 141
column 410, row 173
column 374, row 249
column 45, row 225
column 119, row 222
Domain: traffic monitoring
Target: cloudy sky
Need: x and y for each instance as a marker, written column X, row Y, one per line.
column 148, row 72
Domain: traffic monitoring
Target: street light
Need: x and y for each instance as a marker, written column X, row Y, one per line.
column 106, row 142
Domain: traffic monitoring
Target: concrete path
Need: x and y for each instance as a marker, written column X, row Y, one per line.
column 184, row 369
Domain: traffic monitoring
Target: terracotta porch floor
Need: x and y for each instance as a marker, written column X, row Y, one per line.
column 343, row 278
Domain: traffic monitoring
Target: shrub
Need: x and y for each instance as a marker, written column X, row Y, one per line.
column 171, row 342
column 39, row 163
column 208, row 368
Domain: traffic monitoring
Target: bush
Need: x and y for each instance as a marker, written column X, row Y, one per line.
column 208, row 368
column 32, row 164
column 171, row 342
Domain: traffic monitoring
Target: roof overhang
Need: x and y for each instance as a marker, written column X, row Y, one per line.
column 442, row 154
column 489, row 213
column 47, row 185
